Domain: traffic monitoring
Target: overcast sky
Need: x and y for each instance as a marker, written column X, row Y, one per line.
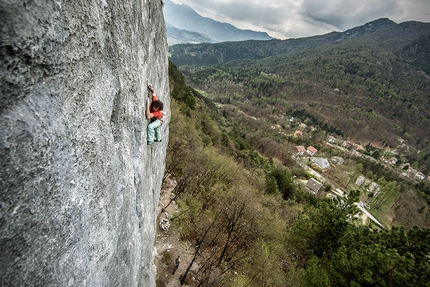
column 284, row 19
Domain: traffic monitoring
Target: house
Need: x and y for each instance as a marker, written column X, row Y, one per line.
column 314, row 185
column 391, row 161
column 303, row 125
column 404, row 174
column 299, row 150
column 298, row 133
column 360, row 180
column 322, row 163
column 311, row 150
column 373, row 187
column 412, row 171
column 370, row 186
column 331, row 139
column 338, row 192
column 420, row 176
column 347, row 144
column 337, row 160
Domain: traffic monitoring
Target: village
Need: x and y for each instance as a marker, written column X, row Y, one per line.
column 318, row 165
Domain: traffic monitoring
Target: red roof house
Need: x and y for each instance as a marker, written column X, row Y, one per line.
column 311, row 150
column 299, row 150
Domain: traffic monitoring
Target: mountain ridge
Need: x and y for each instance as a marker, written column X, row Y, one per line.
column 188, row 20
column 260, row 49
column 179, row 36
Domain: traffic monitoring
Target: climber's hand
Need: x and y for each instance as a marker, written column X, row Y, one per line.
column 150, row 88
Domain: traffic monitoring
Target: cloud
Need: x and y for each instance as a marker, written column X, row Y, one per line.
column 275, row 17
column 242, row 10
column 418, row 10
column 344, row 14
column 301, row 18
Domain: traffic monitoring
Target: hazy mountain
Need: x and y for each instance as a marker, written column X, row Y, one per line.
column 183, row 17
column 178, row 36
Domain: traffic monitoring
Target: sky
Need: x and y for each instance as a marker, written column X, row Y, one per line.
column 284, row 19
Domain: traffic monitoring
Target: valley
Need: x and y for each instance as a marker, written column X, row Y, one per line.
column 286, row 159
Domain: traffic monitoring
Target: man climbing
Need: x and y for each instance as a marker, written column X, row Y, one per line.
column 154, row 113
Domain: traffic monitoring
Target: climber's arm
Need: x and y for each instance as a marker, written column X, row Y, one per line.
column 149, row 115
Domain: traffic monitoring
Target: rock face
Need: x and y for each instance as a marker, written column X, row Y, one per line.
column 79, row 186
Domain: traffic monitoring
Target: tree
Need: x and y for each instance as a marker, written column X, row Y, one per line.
column 184, row 143
column 374, row 258
column 181, row 91
column 271, row 184
column 318, row 229
column 236, row 232
column 200, row 231
column 388, row 191
column 284, row 182
column 219, row 215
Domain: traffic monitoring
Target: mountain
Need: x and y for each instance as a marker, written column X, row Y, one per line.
column 178, row 36
column 208, row 54
column 183, row 17
column 409, row 40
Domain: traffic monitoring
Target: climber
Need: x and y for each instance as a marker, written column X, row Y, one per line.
column 154, row 113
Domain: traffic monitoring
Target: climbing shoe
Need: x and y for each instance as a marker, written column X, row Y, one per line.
column 157, row 141
column 150, row 143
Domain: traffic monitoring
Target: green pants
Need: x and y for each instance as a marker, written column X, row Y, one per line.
column 154, row 128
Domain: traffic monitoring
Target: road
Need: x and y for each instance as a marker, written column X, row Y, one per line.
column 359, row 205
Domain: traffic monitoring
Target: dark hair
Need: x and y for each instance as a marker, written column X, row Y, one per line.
column 157, row 105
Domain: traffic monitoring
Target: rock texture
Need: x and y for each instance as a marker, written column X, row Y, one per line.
column 79, row 187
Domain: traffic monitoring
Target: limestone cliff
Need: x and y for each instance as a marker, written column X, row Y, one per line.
column 79, row 187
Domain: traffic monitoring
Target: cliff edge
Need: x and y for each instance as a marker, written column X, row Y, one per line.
column 79, row 186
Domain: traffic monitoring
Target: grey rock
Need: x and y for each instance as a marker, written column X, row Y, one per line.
column 79, row 187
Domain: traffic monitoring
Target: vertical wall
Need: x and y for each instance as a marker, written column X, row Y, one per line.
column 79, row 187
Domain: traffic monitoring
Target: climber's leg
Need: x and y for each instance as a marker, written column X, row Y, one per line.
column 157, row 133
column 152, row 127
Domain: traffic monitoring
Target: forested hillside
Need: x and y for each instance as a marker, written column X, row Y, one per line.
column 370, row 84
column 252, row 222
column 409, row 39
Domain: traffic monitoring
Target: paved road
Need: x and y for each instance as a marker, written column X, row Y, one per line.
column 359, row 205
